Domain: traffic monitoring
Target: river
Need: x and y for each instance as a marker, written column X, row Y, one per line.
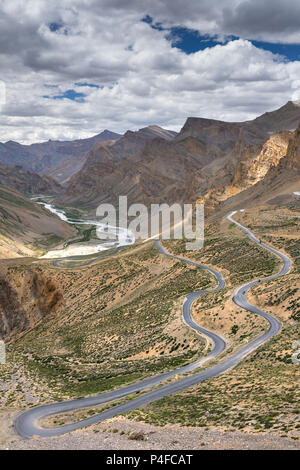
column 117, row 236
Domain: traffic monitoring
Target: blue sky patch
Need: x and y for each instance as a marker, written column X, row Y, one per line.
column 149, row 20
column 55, row 27
column 290, row 51
column 185, row 39
column 70, row 95
column 190, row 41
column 91, row 85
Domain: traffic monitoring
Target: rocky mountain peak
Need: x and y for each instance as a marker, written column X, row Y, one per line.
column 292, row 160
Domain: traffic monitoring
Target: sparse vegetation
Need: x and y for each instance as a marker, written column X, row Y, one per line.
column 262, row 393
column 121, row 322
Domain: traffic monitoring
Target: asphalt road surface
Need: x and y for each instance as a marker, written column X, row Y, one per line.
column 27, row 424
column 57, row 262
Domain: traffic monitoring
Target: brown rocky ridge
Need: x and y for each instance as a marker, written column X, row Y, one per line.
column 207, row 161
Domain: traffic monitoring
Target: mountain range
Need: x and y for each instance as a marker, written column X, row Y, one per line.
column 278, row 185
column 225, row 165
column 27, row 182
column 52, row 157
column 207, row 161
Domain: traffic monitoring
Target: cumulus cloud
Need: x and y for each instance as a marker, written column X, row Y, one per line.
column 138, row 77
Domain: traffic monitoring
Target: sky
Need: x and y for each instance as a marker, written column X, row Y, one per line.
column 70, row 69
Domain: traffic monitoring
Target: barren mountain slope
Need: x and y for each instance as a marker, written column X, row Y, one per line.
column 273, row 121
column 41, row 157
column 160, row 172
column 27, row 182
column 26, row 227
column 278, row 185
column 247, row 165
column 63, row 172
column 227, row 133
column 207, row 161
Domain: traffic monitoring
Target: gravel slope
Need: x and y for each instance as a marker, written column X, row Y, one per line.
column 107, row 436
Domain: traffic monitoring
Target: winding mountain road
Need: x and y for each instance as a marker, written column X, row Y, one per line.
column 57, row 262
column 27, row 424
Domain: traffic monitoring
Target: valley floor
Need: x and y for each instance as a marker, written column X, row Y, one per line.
column 94, row 342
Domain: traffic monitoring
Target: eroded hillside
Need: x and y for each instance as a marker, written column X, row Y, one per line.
column 208, row 161
column 26, row 297
column 26, row 228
